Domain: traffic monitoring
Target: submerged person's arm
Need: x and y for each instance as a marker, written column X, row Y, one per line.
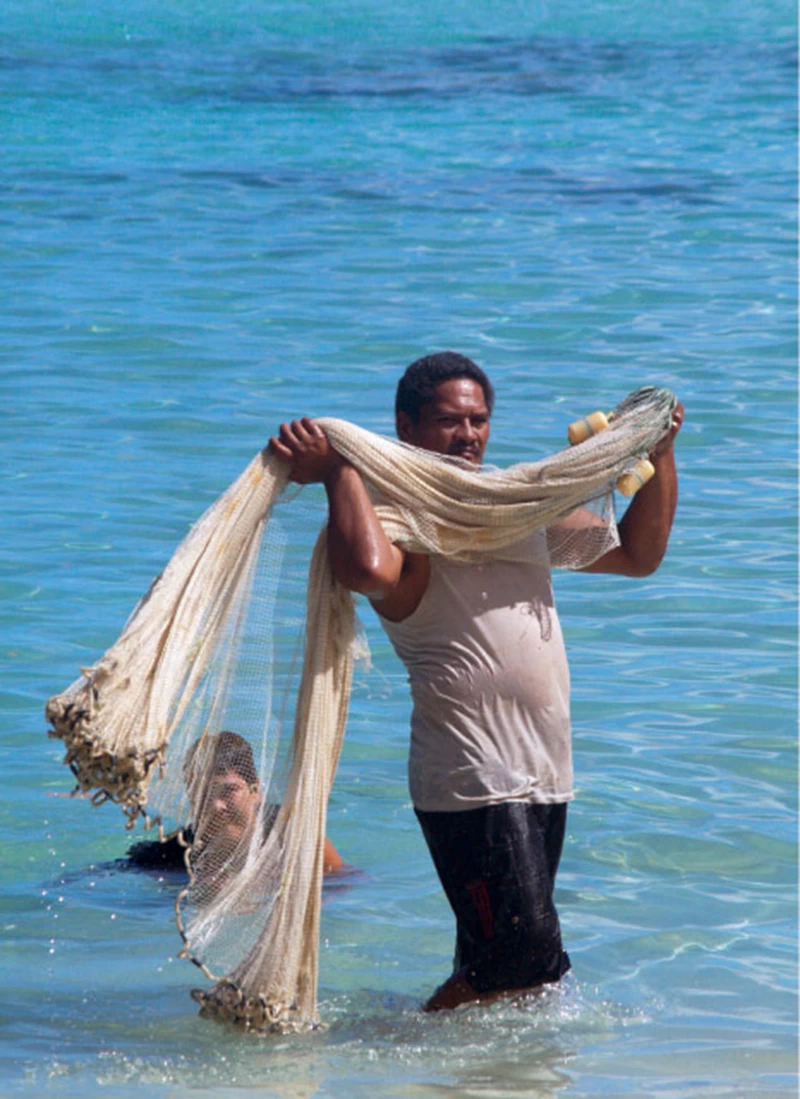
column 332, row 861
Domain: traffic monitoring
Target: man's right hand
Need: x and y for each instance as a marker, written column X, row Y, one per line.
column 305, row 445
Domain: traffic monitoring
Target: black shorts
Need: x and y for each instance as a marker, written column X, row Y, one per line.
column 498, row 866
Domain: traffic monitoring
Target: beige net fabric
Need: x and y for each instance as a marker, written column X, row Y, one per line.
column 157, row 724
column 117, row 719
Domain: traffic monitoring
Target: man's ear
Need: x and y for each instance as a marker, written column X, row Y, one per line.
column 404, row 426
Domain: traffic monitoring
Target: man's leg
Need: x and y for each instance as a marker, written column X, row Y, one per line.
column 497, row 866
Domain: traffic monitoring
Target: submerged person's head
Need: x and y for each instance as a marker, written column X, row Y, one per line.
column 443, row 403
column 223, row 787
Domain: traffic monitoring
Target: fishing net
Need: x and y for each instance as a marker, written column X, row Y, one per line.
column 183, row 722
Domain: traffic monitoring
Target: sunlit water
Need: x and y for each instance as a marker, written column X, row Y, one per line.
column 218, row 215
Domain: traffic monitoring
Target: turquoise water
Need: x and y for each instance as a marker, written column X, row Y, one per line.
column 217, row 215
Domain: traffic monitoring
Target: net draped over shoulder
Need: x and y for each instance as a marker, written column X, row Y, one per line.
column 250, row 916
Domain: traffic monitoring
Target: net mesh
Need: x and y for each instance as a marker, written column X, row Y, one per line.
column 184, row 721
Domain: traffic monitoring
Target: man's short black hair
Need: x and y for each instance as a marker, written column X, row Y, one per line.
column 418, row 385
column 219, row 755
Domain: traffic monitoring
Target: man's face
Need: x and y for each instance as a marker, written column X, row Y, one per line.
column 455, row 422
column 229, row 809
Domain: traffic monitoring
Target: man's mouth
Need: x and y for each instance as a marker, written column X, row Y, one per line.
column 468, row 453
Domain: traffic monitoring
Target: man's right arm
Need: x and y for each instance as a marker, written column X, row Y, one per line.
column 362, row 557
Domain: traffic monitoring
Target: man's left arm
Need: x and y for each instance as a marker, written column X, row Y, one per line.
column 645, row 527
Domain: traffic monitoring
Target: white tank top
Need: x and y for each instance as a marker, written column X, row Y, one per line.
column 490, row 687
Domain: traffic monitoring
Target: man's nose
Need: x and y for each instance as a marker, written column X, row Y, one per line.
column 466, row 429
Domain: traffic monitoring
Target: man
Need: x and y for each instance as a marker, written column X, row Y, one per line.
column 490, row 768
column 225, row 796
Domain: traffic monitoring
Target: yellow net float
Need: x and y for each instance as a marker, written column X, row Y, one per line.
column 581, row 430
column 632, row 479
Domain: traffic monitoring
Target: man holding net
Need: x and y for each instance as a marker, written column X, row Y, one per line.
column 490, row 768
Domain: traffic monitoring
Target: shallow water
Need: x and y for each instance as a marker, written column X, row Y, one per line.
column 217, row 216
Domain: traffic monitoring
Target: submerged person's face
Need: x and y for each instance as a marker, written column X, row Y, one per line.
column 455, row 422
column 229, row 809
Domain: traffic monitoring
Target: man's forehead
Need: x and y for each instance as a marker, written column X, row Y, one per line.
column 459, row 394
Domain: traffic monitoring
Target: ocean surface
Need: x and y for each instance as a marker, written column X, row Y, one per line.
column 217, row 214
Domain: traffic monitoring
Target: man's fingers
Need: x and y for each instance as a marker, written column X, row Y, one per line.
column 277, row 447
column 302, row 430
column 287, row 435
column 298, row 442
column 665, row 442
column 294, row 437
column 312, row 427
column 677, row 419
column 307, row 430
column 300, row 433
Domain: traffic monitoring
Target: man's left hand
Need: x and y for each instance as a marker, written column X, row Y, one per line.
column 665, row 442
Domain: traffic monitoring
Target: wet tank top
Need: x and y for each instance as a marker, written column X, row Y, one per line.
column 489, row 684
